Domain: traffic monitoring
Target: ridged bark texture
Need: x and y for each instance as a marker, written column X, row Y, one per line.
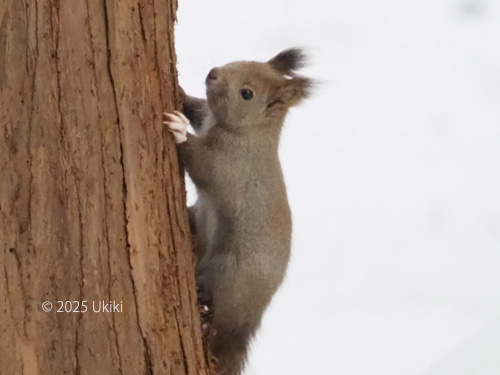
column 92, row 204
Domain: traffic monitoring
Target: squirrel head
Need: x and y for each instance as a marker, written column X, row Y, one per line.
column 245, row 95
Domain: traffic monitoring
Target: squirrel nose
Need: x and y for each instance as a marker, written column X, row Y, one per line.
column 213, row 74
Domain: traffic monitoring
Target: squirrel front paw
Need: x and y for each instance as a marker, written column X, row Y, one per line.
column 177, row 124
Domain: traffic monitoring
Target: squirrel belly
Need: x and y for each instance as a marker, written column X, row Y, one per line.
column 241, row 220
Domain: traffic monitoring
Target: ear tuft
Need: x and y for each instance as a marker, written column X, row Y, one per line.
column 288, row 61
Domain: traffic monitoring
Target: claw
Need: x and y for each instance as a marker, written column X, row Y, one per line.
column 177, row 124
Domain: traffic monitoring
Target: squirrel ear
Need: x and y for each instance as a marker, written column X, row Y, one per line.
column 288, row 61
column 295, row 90
column 292, row 92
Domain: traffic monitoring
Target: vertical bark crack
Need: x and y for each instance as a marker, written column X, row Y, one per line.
column 7, row 287
column 147, row 350
column 3, row 49
column 179, row 329
column 30, row 125
column 55, row 30
column 141, row 22
column 80, row 298
column 105, row 192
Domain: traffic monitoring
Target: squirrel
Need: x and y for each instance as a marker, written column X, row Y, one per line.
column 241, row 220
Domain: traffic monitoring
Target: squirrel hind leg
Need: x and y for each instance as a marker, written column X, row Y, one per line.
column 204, row 296
column 230, row 350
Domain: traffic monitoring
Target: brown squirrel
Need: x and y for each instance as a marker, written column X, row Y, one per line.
column 241, row 220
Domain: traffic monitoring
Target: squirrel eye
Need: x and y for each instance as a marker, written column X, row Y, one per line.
column 246, row 94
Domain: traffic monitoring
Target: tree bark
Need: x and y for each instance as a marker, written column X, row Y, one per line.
column 92, row 204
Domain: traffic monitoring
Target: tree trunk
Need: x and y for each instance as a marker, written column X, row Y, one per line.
column 92, row 205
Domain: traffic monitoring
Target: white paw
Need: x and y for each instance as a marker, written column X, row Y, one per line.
column 177, row 124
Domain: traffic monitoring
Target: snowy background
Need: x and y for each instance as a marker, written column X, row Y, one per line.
column 393, row 173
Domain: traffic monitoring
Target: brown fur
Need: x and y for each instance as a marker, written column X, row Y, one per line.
column 242, row 219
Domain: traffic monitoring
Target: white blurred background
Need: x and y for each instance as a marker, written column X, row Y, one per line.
column 393, row 174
